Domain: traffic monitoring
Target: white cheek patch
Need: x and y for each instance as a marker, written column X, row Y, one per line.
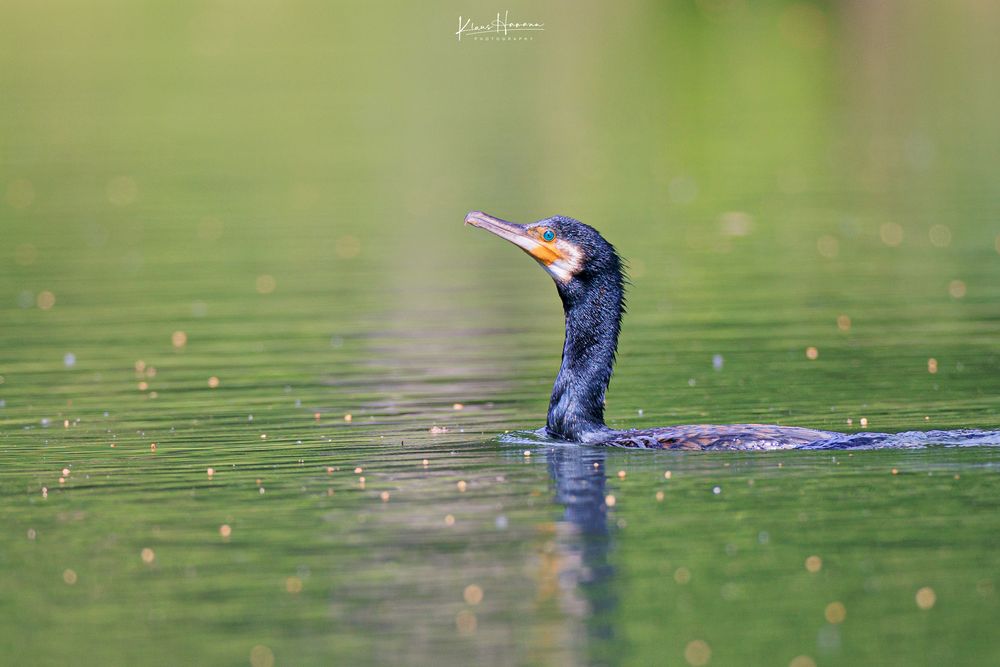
column 567, row 266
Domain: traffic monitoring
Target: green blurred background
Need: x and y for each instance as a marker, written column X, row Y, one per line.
column 779, row 162
column 271, row 194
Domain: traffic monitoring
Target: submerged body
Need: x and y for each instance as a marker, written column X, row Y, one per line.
column 589, row 278
column 709, row 436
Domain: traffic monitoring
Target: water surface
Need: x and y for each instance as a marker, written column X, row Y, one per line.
column 229, row 235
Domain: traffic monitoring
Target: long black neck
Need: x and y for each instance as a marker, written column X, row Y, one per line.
column 593, row 304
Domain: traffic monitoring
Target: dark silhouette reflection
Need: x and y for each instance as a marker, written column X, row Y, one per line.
column 583, row 542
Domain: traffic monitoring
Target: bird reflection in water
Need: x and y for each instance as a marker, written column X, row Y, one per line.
column 576, row 568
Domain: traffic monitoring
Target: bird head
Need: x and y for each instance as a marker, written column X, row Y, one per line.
column 570, row 251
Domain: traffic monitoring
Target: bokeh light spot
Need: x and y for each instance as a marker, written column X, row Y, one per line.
column 46, row 300
column 814, row 564
column 473, row 594
column 940, row 236
column 466, row 622
column 891, row 234
column 261, row 656
column 835, row 613
column 736, row 223
column 697, row 653
column 265, row 284
column 25, row 299
column 926, row 597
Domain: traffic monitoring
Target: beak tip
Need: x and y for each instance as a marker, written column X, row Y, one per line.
column 473, row 217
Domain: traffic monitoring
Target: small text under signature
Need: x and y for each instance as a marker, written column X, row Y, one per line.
column 501, row 25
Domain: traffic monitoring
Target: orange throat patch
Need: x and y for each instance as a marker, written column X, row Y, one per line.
column 545, row 254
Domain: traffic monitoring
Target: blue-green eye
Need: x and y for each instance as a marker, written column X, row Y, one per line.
column 548, row 235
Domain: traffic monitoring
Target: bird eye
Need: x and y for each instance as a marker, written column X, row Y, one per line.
column 548, row 235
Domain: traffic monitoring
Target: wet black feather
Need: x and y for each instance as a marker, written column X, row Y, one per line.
column 594, row 302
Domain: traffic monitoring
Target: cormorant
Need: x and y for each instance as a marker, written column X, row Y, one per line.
column 590, row 280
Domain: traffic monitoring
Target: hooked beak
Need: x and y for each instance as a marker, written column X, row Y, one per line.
column 516, row 234
column 513, row 232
